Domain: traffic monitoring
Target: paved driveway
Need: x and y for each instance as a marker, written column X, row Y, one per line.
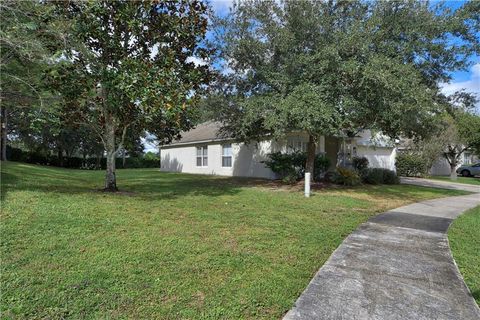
column 396, row 266
column 440, row 184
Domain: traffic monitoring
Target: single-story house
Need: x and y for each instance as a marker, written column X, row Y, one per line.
column 202, row 150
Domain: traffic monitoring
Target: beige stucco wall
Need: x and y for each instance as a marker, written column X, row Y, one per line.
column 246, row 160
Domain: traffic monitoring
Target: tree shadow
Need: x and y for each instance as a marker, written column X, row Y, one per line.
column 170, row 165
column 6, row 179
column 139, row 183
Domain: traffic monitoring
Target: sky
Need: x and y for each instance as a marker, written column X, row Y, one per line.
column 465, row 79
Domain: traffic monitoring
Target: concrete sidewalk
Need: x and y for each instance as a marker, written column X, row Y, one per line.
column 398, row 265
column 440, row 184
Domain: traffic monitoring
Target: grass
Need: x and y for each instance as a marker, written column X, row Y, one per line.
column 170, row 246
column 465, row 180
column 465, row 246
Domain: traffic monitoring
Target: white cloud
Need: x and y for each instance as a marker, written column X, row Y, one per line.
column 470, row 85
column 197, row 61
column 148, row 144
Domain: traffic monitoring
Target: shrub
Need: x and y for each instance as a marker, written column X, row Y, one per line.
column 346, row 177
column 390, row 177
column 411, row 165
column 322, row 163
column 291, row 166
column 360, row 163
column 379, row 176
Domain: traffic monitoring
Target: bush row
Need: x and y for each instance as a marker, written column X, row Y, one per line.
column 15, row 154
column 361, row 173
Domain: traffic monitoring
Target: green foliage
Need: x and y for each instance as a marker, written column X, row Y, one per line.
column 291, row 166
column 127, row 68
column 468, row 125
column 390, row 177
column 379, row 176
column 346, row 177
column 328, row 67
column 151, row 156
column 410, row 164
column 28, row 40
column 322, row 163
column 89, row 163
column 360, row 163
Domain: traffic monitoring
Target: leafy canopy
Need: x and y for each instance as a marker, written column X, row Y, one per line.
column 137, row 53
column 337, row 67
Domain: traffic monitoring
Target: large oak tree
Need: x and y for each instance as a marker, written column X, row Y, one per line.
column 339, row 67
column 128, row 64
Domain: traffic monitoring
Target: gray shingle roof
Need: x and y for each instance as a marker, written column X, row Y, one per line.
column 207, row 131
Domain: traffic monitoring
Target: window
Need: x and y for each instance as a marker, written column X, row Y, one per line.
column 202, row 156
column 296, row 145
column 227, row 155
column 467, row 158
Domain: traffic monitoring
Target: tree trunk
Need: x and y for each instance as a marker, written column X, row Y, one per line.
column 60, row 156
column 3, row 142
column 123, row 158
column 310, row 164
column 98, row 164
column 453, row 172
column 110, row 178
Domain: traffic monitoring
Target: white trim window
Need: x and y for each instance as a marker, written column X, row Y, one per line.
column 202, row 156
column 467, row 158
column 296, row 144
column 227, row 155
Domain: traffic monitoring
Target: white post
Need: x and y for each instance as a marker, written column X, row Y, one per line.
column 307, row 184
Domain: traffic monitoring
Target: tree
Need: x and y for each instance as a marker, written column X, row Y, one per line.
column 127, row 64
column 460, row 132
column 28, row 41
column 338, row 67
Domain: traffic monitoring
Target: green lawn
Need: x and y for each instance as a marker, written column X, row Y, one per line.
column 465, row 180
column 169, row 246
column 465, row 244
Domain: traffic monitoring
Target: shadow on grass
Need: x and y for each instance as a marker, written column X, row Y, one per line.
column 140, row 183
column 6, row 179
column 152, row 183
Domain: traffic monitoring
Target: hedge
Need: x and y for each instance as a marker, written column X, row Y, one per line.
column 16, row 154
column 410, row 165
column 379, row 176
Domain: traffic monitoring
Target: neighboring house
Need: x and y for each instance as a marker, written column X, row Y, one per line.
column 441, row 167
column 202, row 150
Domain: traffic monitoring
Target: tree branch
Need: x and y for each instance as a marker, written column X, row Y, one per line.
column 122, row 140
